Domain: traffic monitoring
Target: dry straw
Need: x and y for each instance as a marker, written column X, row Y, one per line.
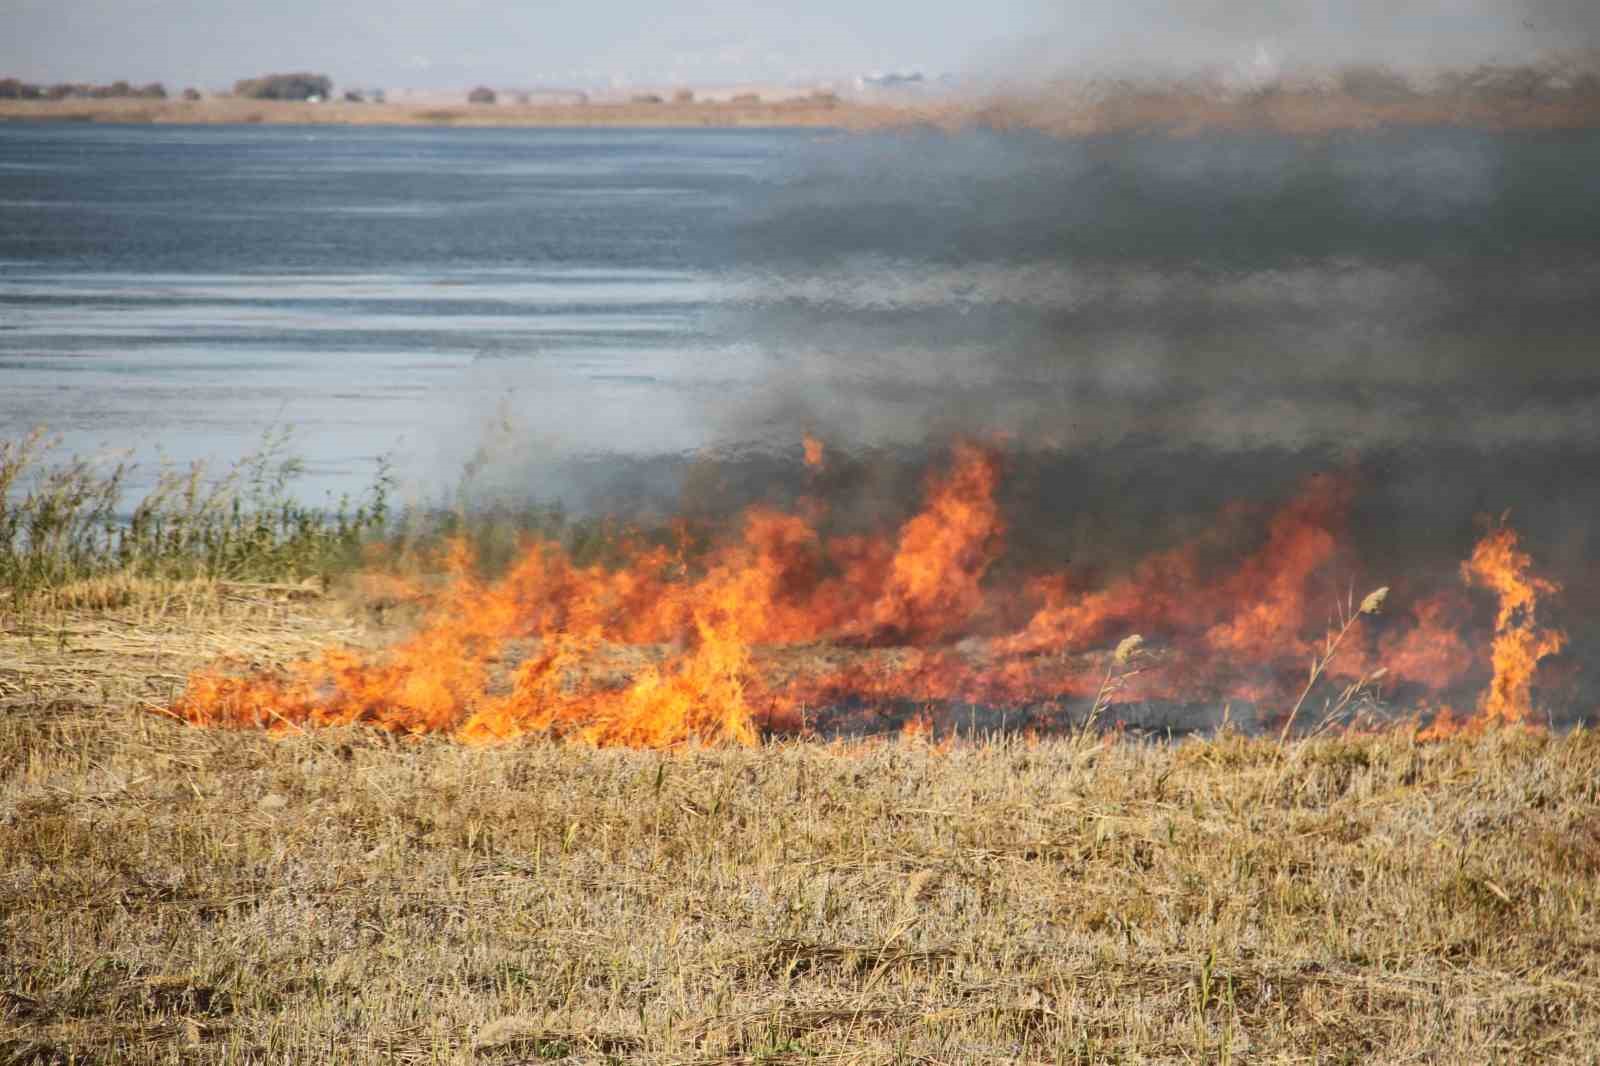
column 1347, row 617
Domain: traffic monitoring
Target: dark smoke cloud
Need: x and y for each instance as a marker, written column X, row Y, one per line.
column 1412, row 303
column 1415, row 303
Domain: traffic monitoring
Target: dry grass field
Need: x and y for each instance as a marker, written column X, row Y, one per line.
column 171, row 894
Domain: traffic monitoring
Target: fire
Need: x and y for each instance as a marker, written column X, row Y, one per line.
column 1519, row 643
column 933, row 585
column 1497, row 563
column 919, row 727
column 813, row 450
column 779, row 623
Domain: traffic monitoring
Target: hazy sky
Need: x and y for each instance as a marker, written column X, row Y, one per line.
column 450, row 43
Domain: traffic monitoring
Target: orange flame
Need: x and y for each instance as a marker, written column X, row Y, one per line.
column 777, row 620
column 1519, row 644
column 813, row 451
column 932, row 588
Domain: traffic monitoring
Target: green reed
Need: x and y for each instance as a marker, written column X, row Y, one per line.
column 64, row 520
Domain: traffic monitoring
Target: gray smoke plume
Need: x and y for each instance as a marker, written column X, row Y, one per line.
column 1358, row 290
column 1179, row 36
column 1229, row 310
column 1157, row 329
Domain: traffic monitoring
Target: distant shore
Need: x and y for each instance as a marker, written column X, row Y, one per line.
column 802, row 112
column 1064, row 114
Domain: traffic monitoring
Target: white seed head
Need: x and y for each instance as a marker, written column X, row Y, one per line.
column 1128, row 648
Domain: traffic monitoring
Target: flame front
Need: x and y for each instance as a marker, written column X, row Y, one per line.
column 777, row 623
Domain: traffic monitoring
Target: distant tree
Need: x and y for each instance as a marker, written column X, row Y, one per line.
column 647, row 98
column 747, row 98
column 191, row 94
column 284, row 87
column 354, row 97
column 683, row 96
column 14, row 89
column 481, row 95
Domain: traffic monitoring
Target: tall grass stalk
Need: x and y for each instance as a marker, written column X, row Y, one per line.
column 1349, row 614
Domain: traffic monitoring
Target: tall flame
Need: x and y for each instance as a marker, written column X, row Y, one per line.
column 1497, row 563
column 933, row 585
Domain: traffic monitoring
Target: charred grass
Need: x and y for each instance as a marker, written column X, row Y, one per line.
column 174, row 895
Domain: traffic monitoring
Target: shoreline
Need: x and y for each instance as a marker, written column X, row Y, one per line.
column 798, row 113
column 1177, row 114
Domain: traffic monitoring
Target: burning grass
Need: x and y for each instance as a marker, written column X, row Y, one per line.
column 773, row 625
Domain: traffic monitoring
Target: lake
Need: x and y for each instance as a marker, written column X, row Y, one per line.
column 579, row 302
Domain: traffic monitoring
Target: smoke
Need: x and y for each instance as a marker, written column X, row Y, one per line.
column 1153, row 326
column 1181, row 36
column 1156, row 333
column 1229, row 293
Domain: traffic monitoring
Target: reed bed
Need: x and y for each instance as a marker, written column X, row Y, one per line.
column 66, row 521
column 71, row 540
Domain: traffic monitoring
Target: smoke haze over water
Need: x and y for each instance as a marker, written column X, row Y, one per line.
column 1176, row 36
column 1300, row 286
column 1157, row 338
column 1153, row 328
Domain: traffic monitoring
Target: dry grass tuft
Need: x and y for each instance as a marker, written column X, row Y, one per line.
column 120, row 641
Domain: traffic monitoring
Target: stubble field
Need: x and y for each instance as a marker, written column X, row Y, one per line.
column 174, row 894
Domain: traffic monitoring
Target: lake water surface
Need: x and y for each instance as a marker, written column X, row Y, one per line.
column 188, row 288
column 575, row 296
